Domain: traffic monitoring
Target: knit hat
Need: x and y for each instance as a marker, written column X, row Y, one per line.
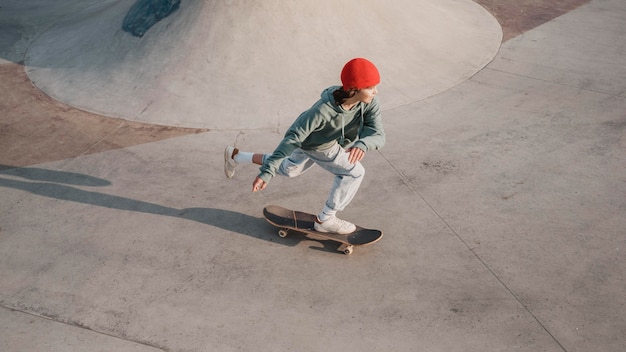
column 359, row 73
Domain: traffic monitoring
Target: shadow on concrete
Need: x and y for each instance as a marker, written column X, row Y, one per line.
column 60, row 185
column 71, row 178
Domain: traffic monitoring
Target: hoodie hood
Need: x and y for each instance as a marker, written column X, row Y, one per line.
column 329, row 99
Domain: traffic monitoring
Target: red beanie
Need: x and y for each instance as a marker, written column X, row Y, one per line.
column 358, row 74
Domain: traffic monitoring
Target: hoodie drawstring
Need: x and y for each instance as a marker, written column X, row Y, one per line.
column 342, row 130
column 343, row 134
column 358, row 136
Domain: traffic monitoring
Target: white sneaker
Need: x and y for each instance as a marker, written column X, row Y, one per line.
column 229, row 163
column 335, row 225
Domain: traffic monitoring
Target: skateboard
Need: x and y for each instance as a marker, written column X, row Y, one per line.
column 290, row 220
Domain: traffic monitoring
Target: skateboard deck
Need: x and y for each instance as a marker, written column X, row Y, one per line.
column 290, row 220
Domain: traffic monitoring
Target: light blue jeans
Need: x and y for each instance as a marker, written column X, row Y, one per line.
column 347, row 179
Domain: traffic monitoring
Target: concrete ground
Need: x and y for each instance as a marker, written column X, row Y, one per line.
column 502, row 199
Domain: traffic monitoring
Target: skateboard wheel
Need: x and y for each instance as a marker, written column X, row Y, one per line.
column 282, row 233
column 348, row 250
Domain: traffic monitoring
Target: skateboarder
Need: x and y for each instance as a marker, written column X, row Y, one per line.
column 335, row 133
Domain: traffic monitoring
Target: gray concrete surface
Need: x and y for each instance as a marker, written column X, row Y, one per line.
column 24, row 332
column 502, row 200
column 228, row 65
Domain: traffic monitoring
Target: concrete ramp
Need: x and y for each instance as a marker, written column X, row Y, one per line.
column 256, row 64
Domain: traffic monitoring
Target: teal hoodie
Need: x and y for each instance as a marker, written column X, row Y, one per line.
column 325, row 123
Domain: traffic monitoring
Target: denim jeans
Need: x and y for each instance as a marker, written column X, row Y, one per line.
column 347, row 179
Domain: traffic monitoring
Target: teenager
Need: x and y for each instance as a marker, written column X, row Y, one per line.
column 335, row 133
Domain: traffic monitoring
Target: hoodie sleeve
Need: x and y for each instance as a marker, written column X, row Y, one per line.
column 372, row 136
column 305, row 124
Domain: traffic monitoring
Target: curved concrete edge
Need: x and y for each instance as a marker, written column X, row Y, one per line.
column 238, row 67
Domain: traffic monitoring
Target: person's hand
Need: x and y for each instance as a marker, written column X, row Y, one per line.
column 258, row 184
column 356, row 155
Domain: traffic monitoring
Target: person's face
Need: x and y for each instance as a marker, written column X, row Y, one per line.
column 366, row 95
